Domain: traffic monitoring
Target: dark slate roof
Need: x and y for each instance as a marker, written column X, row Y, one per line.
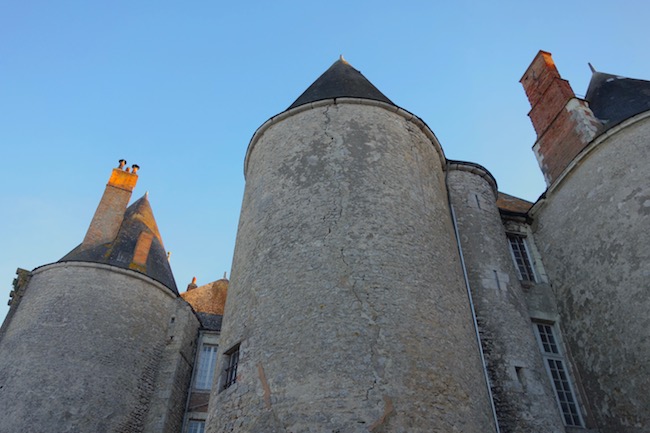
column 211, row 322
column 138, row 218
column 340, row 80
column 613, row 98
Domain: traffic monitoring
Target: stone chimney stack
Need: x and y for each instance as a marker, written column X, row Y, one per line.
column 563, row 122
column 110, row 212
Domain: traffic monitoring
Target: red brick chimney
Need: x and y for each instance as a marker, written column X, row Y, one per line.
column 110, row 211
column 563, row 122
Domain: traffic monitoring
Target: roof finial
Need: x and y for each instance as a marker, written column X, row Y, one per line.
column 593, row 70
column 342, row 59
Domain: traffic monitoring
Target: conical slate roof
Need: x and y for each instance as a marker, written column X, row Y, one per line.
column 138, row 223
column 340, row 80
column 613, row 98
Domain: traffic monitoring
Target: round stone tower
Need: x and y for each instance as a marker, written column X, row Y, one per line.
column 523, row 395
column 347, row 309
column 591, row 227
column 81, row 350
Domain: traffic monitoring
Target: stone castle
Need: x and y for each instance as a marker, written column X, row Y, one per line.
column 377, row 286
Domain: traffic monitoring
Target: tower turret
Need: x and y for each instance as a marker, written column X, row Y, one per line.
column 85, row 347
column 347, row 309
column 523, row 396
column 591, row 227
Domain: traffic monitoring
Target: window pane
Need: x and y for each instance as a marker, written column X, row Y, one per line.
column 196, row 426
column 231, row 369
column 206, row 365
column 521, row 258
column 559, row 374
column 548, row 339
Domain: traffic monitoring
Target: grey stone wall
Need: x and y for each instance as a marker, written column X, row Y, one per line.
column 592, row 231
column 523, row 395
column 82, row 352
column 15, row 296
column 347, row 294
column 167, row 407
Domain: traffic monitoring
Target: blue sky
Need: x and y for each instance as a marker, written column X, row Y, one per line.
column 180, row 87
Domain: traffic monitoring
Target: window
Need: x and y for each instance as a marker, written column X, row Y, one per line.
column 521, row 257
column 231, row 366
column 205, row 366
column 558, row 373
column 196, row 426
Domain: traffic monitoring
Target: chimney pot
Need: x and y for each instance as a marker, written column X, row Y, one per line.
column 110, row 212
column 192, row 285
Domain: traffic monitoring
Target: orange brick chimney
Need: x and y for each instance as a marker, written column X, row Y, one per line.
column 110, row 211
column 563, row 122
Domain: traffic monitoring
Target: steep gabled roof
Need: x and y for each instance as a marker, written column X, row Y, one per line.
column 613, row 98
column 149, row 257
column 340, row 80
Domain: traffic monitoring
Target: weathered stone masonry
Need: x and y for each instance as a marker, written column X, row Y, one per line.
column 376, row 285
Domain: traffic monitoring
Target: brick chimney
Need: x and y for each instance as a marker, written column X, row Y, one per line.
column 110, row 211
column 563, row 122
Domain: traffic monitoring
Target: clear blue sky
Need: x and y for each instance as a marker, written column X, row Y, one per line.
column 180, row 87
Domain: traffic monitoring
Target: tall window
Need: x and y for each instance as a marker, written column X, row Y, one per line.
column 557, row 371
column 231, row 366
column 521, row 257
column 196, row 426
column 205, row 368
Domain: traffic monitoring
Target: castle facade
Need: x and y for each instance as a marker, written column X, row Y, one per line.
column 377, row 286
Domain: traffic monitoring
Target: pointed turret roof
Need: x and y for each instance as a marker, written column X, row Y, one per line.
column 613, row 98
column 340, row 80
column 138, row 246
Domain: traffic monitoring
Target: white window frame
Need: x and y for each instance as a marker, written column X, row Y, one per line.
column 199, row 423
column 206, row 338
column 200, row 369
column 557, row 356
